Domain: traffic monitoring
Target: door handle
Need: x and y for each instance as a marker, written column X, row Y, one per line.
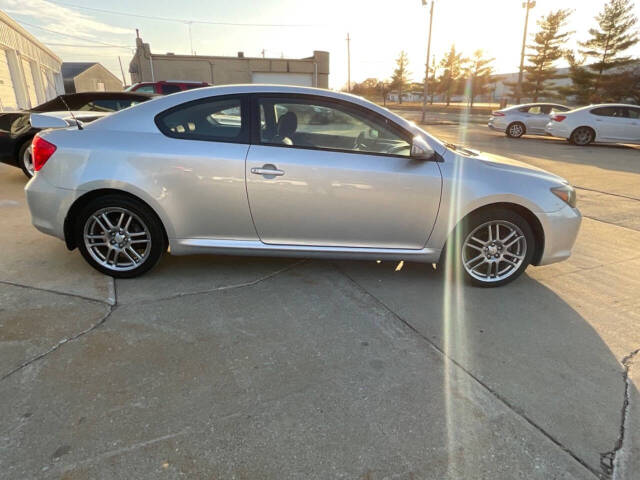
column 268, row 170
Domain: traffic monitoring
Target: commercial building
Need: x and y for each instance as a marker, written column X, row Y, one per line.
column 216, row 70
column 88, row 77
column 29, row 71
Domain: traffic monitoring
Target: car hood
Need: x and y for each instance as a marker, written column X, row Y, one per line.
column 510, row 165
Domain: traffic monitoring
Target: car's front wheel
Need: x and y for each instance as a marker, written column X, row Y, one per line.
column 494, row 247
column 120, row 236
column 25, row 159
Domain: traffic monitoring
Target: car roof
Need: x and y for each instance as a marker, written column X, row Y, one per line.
column 600, row 105
column 141, row 117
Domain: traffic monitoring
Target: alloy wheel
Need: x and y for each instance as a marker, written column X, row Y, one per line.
column 494, row 251
column 582, row 136
column 516, row 130
column 117, row 239
column 27, row 160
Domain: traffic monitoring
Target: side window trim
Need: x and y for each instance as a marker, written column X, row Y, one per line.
column 243, row 137
column 255, row 122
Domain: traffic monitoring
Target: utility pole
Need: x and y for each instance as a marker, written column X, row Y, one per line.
column 124, row 80
column 528, row 5
column 348, row 63
column 426, row 75
column 190, row 38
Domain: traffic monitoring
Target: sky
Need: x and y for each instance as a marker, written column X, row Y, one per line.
column 379, row 29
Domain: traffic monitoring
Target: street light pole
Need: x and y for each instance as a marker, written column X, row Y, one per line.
column 528, row 5
column 426, row 75
column 348, row 63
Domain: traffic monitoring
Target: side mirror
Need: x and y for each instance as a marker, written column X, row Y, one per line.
column 420, row 149
column 41, row 121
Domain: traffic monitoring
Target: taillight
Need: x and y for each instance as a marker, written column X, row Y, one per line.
column 498, row 114
column 41, row 151
column 558, row 118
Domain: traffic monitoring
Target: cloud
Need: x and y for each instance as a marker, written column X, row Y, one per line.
column 62, row 19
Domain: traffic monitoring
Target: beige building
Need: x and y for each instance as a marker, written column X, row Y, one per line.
column 147, row 67
column 29, row 71
column 88, row 77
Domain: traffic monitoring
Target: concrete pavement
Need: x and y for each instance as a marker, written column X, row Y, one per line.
column 226, row 367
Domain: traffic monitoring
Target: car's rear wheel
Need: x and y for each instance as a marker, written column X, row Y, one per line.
column 25, row 159
column 493, row 247
column 120, row 236
column 582, row 136
column 515, row 130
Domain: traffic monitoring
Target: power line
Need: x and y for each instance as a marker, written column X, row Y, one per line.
column 181, row 20
column 75, row 36
column 84, row 46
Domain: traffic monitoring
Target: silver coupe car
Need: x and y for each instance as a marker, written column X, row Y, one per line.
column 527, row 119
column 291, row 171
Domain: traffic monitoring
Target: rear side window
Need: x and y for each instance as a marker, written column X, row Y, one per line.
column 169, row 88
column 212, row 119
column 608, row 112
column 146, row 89
column 633, row 113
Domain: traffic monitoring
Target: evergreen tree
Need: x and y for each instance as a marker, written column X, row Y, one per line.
column 581, row 81
column 400, row 77
column 547, row 46
column 478, row 74
column 452, row 65
column 615, row 35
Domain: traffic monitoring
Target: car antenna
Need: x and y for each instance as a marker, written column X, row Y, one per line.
column 80, row 127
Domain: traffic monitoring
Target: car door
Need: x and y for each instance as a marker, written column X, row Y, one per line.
column 323, row 172
column 632, row 126
column 610, row 123
column 537, row 118
column 198, row 166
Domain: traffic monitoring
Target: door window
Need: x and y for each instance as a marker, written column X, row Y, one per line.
column 535, row 110
column 328, row 126
column 213, row 119
column 633, row 113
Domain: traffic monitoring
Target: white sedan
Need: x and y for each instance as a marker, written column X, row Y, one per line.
column 605, row 123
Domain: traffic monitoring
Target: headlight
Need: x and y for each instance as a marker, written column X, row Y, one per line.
column 566, row 193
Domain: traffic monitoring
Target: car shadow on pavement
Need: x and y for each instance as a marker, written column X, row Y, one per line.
column 277, row 368
column 522, row 341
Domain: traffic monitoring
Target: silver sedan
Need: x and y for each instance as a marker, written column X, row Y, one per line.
column 530, row 118
column 291, row 171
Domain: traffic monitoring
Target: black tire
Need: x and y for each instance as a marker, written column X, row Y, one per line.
column 21, row 155
column 146, row 217
column 582, row 136
column 515, row 130
column 456, row 250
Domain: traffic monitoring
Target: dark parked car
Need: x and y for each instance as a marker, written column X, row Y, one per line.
column 16, row 132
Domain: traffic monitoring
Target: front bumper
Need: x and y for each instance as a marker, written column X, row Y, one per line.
column 560, row 232
column 48, row 205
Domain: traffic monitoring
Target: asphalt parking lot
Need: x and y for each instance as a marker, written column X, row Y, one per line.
column 226, row 367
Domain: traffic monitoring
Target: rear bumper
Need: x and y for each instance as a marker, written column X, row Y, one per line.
column 560, row 232
column 557, row 129
column 497, row 125
column 48, row 205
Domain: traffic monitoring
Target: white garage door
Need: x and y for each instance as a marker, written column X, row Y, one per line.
column 48, row 83
column 8, row 99
column 31, row 86
column 299, row 79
